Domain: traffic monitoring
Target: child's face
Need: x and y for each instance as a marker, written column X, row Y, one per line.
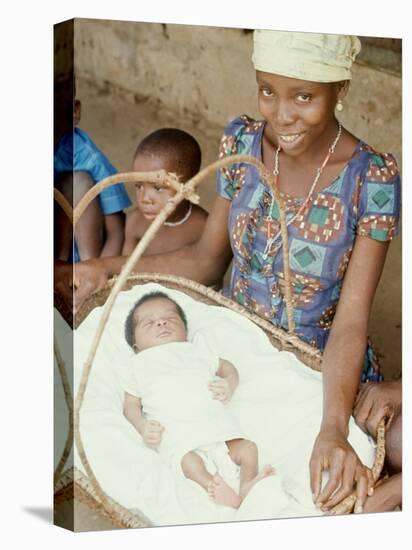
column 151, row 198
column 157, row 322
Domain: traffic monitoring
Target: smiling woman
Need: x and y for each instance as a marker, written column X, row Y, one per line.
column 342, row 208
column 342, row 202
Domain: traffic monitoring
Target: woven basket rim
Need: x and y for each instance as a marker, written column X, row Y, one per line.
column 310, row 356
column 119, row 515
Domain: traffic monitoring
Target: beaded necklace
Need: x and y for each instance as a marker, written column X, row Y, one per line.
column 185, row 218
column 309, row 195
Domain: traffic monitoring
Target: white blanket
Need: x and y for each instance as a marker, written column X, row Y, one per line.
column 278, row 404
column 172, row 381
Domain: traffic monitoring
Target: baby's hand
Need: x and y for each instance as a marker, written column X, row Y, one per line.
column 152, row 433
column 221, row 390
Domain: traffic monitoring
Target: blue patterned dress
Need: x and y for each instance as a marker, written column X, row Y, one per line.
column 363, row 200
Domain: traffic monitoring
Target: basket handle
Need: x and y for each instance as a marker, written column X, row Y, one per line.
column 183, row 191
column 187, row 191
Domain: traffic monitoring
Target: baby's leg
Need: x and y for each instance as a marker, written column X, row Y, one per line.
column 245, row 454
column 194, row 468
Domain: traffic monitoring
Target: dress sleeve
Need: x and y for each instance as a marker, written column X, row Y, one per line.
column 380, row 199
column 236, row 140
column 89, row 158
column 130, row 383
column 115, row 198
column 214, row 364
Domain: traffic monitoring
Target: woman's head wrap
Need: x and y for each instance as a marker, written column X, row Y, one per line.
column 306, row 56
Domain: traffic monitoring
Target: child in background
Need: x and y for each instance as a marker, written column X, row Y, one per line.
column 175, row 402
column 175, row 151
column 78, row 165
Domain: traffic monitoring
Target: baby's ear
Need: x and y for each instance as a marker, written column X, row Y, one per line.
column 77, row 111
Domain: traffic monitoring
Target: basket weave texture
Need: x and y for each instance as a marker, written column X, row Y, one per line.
column 87, row 488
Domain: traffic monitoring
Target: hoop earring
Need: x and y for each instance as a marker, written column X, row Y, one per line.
column 339, row 105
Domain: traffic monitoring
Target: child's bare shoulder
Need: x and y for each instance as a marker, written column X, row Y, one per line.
column 192, row 230
column 198, row 218
column 136, row 225
column 135, row 228
column 199, row 212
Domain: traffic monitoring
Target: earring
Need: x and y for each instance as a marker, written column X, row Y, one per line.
column 339, row 105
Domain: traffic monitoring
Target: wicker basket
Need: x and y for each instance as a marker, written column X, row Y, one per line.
column 76, row 486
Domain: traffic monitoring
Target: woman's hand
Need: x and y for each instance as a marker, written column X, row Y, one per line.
column 63, row 281
column 332, row 452
column 387, row 495
column 151, row 432
column 374, row 401
column 89, row 277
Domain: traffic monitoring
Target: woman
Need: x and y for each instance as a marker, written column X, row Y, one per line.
column 342, row 201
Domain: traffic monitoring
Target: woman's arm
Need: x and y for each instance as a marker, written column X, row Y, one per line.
column 341, row 367
column 204, row 261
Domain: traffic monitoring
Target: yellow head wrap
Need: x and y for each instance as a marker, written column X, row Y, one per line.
column 306, row 56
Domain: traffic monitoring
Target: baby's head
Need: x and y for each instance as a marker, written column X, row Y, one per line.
column 167, row 149
column 154, row 320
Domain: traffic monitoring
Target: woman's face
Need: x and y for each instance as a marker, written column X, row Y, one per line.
column 297, row 112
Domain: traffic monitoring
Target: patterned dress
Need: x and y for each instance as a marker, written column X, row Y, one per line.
column 363, row 200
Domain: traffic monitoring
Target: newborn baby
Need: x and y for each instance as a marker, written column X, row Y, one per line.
column 175, row 397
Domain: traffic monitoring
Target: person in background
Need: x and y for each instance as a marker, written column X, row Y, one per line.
column 174, row 151
column 78, row 165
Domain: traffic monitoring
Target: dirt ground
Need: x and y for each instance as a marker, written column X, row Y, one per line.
column 117, row 124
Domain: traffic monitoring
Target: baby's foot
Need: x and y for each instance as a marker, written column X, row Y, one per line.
column 246, row 486
column 221, row 493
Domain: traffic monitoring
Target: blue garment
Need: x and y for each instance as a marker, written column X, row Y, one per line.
column 364, row 200
column 76, row 152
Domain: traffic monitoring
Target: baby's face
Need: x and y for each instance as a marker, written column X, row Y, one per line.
column 151, row 198
column 157, row 322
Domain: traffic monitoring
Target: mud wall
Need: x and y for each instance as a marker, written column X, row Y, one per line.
column 206, row 72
